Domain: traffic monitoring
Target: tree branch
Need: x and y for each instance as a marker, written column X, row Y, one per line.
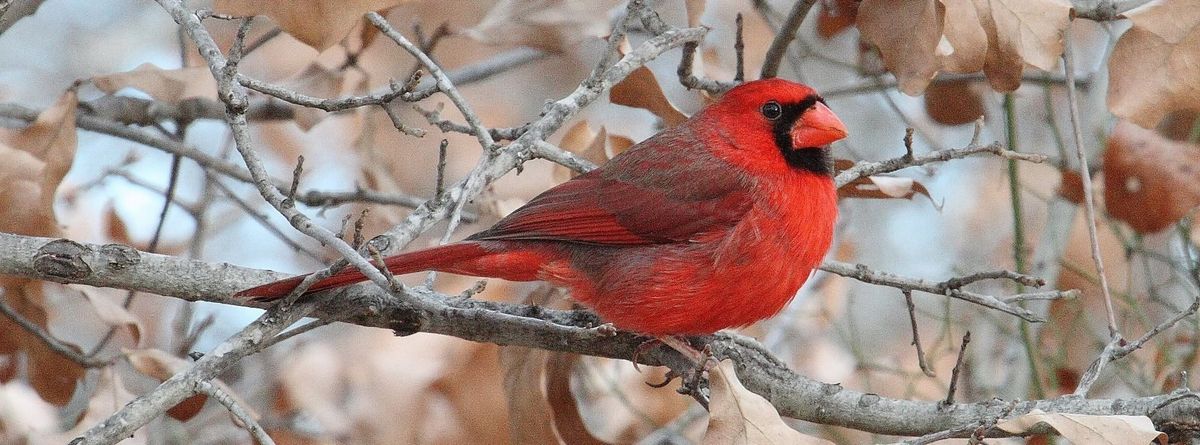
column 483, row 321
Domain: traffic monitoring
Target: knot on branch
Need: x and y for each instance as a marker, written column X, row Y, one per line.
column 62, row 258
column 1179, row 417
column 120, row 256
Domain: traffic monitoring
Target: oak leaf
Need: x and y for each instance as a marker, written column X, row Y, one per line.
column 738, row 416
column 318, row 23
column 551, row 25
column 33, row 162
column 641, row 90
column 165, row 85
column 907, row 33
column 1098, row 430
column 1155, row 66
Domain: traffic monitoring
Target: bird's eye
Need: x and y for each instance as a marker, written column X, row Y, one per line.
column 771, row 110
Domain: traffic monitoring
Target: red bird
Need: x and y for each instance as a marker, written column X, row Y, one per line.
column 712, row 224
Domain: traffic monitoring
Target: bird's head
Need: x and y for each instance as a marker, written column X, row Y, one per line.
column 776, row 117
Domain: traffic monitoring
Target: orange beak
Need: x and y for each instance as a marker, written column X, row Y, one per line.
column 817, row 127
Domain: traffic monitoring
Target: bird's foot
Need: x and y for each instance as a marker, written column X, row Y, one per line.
column 641, row 349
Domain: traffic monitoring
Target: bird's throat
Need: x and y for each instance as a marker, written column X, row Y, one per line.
column 818, row 160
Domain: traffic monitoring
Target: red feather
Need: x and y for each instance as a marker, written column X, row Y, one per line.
column 709, row 225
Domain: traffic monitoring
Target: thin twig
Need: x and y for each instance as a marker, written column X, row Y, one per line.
column 246, row 419
column 958, row 364
column 441, row 169
column 56, row 345
column 916, row 341
column 444, row 84
column 739, row 51
column 1089, row 207
column 866, row 168
column 863, row 273
column 787, row 33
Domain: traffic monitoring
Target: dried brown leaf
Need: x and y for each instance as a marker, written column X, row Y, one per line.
column 529, row 417
column 953, row 102
column 113, row 314
column 966, row 44
column 883, row 187
column 738, row 416
column 618, row 144
column 318, row 23
column 33, row 162
column 907, row 33
column 1099, row 430
column 1032, row 29
column 641, row 90
column 695, row 10
column 1150, row 182
column 115, row 227
column 581, row 140
column 1071, row 188
column 551, row 25
column 108, row 396
column 165, row 85
column 1155, row 66
column 161, row 366
column 835, row 17
column 568, row 422
column 1020, row 32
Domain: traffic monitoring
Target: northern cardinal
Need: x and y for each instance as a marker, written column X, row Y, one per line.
column 712, row 224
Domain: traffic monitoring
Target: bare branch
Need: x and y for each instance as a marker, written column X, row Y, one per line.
column 863, row 273
column 866, row 168
column 787, row 33
column 231, row 403
column 1088, row 202
column 483, row 321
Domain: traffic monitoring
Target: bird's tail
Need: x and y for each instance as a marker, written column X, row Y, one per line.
column 457, row 258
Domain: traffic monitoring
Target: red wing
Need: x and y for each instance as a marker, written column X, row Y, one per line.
column 639, row 198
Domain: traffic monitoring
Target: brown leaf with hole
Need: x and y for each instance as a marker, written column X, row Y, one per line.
column 1155, row 66
column 161, row 366
column 907, row 33
column 551, row 25
column 641, row 90
column 318, row 23
column 966, row 43
column 738, row 416
column 1081, row 429
column 835, row 17
column 1150, row 182
column 170, row 86
column 113, row 314
column 33, row 162
column 953, row 102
